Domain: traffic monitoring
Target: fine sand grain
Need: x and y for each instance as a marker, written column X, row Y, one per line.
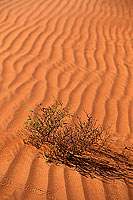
column 81, row 52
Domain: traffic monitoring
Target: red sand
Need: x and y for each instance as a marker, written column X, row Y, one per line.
column 81, row 52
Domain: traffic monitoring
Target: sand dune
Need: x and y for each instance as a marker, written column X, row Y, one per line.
column 81, row 52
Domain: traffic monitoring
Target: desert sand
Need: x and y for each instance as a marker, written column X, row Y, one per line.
column 81, row 52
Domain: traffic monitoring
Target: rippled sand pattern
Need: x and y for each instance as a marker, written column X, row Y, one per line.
column 81, row 52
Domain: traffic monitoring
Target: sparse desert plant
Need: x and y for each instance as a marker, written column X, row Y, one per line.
column 63, row 138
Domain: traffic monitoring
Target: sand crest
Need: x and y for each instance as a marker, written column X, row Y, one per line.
column 81, row 52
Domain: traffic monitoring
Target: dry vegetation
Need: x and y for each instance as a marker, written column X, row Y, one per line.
column 63, row 138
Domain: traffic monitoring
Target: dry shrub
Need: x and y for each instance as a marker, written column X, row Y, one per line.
column 63, row 138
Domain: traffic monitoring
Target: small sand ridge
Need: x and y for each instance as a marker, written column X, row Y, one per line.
column 81, row 52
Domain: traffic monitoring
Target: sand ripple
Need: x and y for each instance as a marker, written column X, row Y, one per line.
column 81, row 52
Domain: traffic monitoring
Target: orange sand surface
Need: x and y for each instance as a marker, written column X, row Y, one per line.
column 81, row 52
